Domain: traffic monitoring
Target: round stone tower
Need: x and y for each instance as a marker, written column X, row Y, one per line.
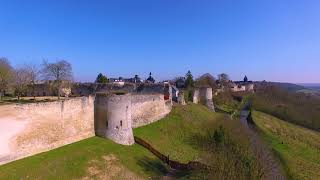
column 206, row 97
column 113, row 117
column 181, row 99
column 196, row 95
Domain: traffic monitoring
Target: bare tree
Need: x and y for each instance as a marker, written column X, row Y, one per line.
column 6, row 74
column 59, row 71
column 223, row 79
column 21, row 80
column 33, row 72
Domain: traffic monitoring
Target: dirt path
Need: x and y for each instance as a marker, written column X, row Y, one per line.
column 270, row 166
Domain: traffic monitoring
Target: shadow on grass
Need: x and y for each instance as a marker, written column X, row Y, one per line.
column 153, row 165
column 200, row 142
column 157, row 167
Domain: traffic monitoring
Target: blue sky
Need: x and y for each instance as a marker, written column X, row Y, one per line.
column 274, row 40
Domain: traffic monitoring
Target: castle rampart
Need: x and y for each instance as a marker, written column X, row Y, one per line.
column 116, row 115
column 28, row 129
column 113, row 117
column 204, row 96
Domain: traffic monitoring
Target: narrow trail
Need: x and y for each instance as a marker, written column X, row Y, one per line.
column 270, row 166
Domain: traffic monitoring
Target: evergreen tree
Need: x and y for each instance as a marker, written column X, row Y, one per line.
column 101, row 78
column 189, row 80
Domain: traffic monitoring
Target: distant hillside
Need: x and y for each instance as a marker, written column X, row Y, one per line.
column 311, row 85
column 311, row 89
column 298, row 108
column 286, row 86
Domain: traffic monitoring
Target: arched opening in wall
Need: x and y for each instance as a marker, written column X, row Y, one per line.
column 107, row 124
column 121, row 123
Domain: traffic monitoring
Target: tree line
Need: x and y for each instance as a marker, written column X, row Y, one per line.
column 28, row 75
column 206, row 80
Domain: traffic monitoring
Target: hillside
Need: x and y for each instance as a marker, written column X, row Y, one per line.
column 285, row 86
column 194, row 133
column 296, row 147
column 297, row 108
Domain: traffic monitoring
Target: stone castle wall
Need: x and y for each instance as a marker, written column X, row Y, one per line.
column 28, row 129
column 116, row 115
column 148, row 108
column 204, row 96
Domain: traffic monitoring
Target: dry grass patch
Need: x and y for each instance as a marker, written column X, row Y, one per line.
column 108, row 167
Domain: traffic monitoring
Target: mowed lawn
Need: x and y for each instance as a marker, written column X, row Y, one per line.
column 298, row 148
column 176, row 134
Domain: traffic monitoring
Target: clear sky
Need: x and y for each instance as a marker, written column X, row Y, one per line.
column 274, row 40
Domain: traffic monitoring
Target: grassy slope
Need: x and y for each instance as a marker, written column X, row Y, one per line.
column 71, row 161
column 174, row 134
column 297, row 147
column 226, row 102
column 297, row 108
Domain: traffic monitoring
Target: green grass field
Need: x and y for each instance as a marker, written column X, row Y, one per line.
column 175, row 134
column 298, row 148
column 75, row 160
column 193, row 133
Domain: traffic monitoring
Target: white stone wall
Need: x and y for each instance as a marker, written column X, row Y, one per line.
column 119, row 128
column 148, row 108
column 204, row 96
column 250, row 87
column 133, row 110
column 196, row 96
column 238, row 88
column 28, row 129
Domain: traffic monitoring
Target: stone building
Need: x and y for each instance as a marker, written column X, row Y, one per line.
column 47, row 88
